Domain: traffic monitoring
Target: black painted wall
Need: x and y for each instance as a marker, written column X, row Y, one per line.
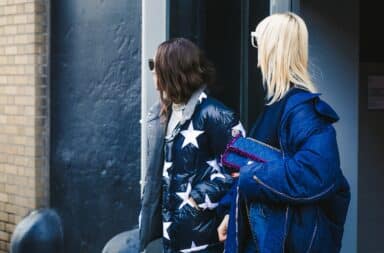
column 371, row 135
column 216, row 26
column 95, row 112
column 371, row 39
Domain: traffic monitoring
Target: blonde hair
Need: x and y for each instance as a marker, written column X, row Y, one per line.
column 283, row 54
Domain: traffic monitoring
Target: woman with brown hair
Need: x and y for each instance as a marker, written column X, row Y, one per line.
column 187, row 131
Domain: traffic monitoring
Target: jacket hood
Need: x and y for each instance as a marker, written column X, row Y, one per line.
column 153, row 112
column 321, row 107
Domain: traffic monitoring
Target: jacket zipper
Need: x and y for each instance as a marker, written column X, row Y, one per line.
column 280, row 193
column 237, row 219
column 285, row 228
column 287, row 210
column 249, row 223
column 287, row 196
column 312, row 239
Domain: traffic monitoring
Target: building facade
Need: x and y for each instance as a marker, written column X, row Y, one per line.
column 24, row 108
column 74, row 85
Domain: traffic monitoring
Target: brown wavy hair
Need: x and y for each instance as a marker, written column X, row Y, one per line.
column 181, row 69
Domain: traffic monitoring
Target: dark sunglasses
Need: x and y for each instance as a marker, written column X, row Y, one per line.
column 151, row 64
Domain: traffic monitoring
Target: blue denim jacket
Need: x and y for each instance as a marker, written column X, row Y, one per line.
column 298, row 203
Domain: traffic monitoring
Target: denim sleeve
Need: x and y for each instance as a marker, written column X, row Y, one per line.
column 309, row 174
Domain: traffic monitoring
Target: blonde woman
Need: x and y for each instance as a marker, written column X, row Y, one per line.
column 297, row 203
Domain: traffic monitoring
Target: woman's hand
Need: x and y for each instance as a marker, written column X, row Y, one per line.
column 235, row 174
column 223, row 228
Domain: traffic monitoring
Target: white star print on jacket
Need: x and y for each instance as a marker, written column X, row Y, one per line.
column 192, row 170
column 185, row 195
column 217, row 175
column 238, row 129
column 208, row 203
column 165, row 229
column 166, row 166
column 213, row 163
column 202, row 96
column 216, row 169
column 190, row 136
column 195, row 248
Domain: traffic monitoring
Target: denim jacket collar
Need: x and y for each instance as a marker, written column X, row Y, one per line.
column 320, row 106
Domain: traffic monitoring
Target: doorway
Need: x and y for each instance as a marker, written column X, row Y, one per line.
column 371, row 124
column 221, row 28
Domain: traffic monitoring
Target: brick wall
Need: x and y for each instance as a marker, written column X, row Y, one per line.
column 24, row 109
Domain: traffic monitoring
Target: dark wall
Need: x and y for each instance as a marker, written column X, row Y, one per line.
column 258, row 10
column 371, row 35
column 215, row 27
column 222, row 29
column 95, row 112
column 371, row 167
column 371, row 135
column 222, row 42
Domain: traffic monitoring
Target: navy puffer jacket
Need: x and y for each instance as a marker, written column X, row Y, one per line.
column 191, row 168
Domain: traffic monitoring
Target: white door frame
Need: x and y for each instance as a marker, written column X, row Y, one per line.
column 153, row 32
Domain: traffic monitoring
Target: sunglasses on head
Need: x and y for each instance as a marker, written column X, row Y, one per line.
column 253, row 39
column 151, row 64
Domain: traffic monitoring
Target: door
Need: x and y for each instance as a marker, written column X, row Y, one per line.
column 95, row 112
column 222, row 29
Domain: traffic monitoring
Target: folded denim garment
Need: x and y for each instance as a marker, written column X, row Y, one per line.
column 242, row 151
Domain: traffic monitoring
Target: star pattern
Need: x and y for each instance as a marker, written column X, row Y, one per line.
column 190, row 136
column 202, row 96
column 208, row 203
column 238, row 129
column 213, row 163
column 195, row 248
column 165, row 230
column 185, row 195
column 217, row 175
column 166, row 166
